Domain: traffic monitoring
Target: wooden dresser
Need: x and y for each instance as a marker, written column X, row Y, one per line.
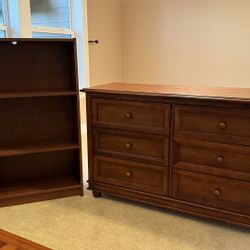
column 181, row 147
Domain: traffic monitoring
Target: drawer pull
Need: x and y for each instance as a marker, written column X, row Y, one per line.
column 128, row 145
column 128, row 173
column 222, row 125
column 220, row 159
column 128, row 115
column 217, row 192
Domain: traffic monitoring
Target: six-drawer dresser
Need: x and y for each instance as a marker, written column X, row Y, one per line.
column 181, row 147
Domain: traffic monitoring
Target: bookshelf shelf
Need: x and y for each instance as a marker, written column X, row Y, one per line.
column 27, row 94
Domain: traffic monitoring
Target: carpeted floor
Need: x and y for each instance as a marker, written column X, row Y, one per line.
column 112, row 223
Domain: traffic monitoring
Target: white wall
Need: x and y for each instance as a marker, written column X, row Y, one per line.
column 197, row 42
column 105, row 24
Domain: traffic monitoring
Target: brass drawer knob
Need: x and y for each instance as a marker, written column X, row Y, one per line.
column 128, row 145
column 222, row 125
column 128, row 173
column 128, row 115
column 220, row 159
column 217, row 192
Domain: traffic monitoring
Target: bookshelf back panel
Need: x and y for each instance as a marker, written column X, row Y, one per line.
column 37, row 65
column 44, row 119
column 39, row 166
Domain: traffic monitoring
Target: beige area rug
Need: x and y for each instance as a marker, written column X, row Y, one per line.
column 111, row 223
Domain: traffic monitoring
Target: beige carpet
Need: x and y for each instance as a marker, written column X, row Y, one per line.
column 111, row 223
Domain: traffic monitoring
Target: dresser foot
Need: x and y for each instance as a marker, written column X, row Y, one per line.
column 97, row 194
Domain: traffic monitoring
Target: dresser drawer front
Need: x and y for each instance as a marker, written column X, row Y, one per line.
column 153, row 148
column 221, row 156
column 134, row 115
column 213, row 124
column 133, row 175
column 223, row 193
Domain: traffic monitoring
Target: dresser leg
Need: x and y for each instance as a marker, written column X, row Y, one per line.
column 97, row 194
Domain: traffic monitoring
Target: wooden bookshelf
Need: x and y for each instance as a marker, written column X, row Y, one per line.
column 40, row 146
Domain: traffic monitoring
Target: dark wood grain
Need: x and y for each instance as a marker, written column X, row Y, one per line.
column 31, row 65
column 43, row 195
column 131, row 115
column 212, row 191
column 33, row 119
column 190, row 208
column 20, row 94
column 172, row 91
column 135, row 175
column 35, row 166
column 207, row 132
column 41, row 186
column 195, row 155
column 213, row 124
column 40, row 139
column 27, row 148
column 131, row 145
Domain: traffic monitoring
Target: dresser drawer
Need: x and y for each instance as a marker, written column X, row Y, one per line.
column 146, row 147
column 133, row 175
column 213, row 124
column 223, row 193
column 199, row 155
column 151, row 117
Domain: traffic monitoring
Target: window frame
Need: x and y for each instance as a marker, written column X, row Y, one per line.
column 4, row 26
column 49, row 30
column 54, row 30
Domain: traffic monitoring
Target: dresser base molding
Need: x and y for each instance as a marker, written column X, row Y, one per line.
column 176, row 205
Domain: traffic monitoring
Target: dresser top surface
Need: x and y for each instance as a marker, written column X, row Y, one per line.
column 185, row 91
